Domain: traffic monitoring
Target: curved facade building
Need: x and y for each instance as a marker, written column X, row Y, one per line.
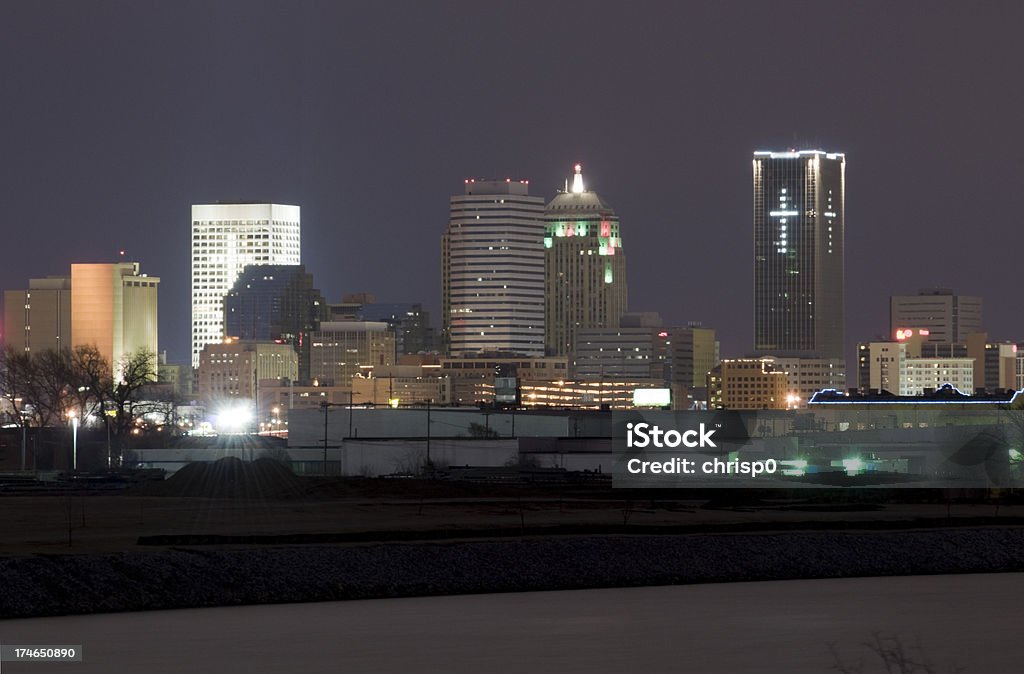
column 585, row 266
column 493, row 270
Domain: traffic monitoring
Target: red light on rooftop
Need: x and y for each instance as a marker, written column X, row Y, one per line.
column 924, row 333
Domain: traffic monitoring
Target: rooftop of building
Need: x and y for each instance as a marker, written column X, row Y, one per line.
column 793, row 153
column 577, row 198
column 947, row 393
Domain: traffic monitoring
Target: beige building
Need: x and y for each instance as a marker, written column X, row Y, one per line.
column 807, row 376
column 232, row 369
column 39, row 319
column 401, row 385
column 279, row 397
column 340, row 350
column 588, row 395
column 749, row 384
column 114, row 308
column 472, row 379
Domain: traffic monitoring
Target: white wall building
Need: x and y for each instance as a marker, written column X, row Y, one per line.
column 225, row 238
column 898, row 368
column 920, row 374
column 492, row 262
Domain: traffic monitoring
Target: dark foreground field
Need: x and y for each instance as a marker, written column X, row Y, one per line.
column 255, row 533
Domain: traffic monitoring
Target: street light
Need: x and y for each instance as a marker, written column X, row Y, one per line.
column 24, row 422
column 74, row 451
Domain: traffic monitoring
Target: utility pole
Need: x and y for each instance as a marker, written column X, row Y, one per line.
column 349, row 437
column 325, row 406
column 428, row 434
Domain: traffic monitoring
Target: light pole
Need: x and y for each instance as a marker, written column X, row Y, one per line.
column 24, row 422
column 74, row 441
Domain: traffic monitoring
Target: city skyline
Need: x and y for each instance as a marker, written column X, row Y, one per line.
column 88, row 176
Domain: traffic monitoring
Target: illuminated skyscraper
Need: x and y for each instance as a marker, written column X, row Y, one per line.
column 799, row 226
column 114, row 308
column 585, row 267
column 492, row 268
column 225, row 238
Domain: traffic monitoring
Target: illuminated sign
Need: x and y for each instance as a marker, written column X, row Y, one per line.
column 652, row 397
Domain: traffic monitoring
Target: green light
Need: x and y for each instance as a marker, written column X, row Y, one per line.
column 607, row 272
column 548, row 242
column 560, row 229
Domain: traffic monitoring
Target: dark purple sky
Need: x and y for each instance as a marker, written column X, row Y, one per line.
column 117, row 116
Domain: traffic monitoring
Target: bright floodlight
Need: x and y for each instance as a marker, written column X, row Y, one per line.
column 853, row 466
column 234, row 419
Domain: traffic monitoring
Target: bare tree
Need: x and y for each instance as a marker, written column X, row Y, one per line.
column 15, row 375
column 47, row 387
column 123, row 402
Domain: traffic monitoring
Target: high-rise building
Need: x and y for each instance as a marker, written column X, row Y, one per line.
column 492, row 270
column 947, row 317
column 114, row 308
column 225, row 238
column 584, row 265
column 799, row 229
column 39, row 319
column 342, row 350
column 275, row 302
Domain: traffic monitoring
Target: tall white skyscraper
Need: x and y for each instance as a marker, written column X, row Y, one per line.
column 493, row 270
column 225, row 238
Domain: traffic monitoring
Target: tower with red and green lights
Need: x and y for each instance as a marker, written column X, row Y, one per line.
column 584, row 266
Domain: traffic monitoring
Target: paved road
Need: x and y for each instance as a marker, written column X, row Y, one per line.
column 970, row 621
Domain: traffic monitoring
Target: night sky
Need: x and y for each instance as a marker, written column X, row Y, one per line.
column 117, row 116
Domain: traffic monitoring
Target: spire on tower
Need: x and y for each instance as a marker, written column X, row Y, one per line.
column 577, row 180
